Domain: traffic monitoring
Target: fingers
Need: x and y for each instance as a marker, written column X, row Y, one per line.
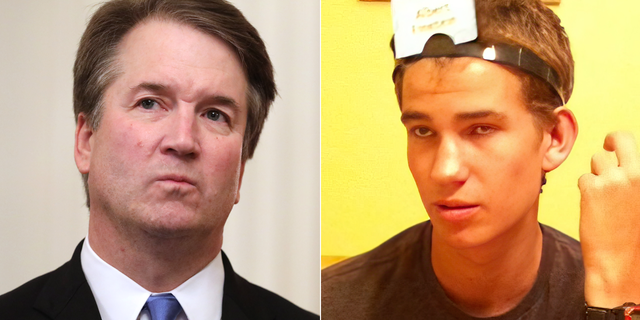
column 585, row 181
column 602, row 161
column 624, row 146
column 619, row 159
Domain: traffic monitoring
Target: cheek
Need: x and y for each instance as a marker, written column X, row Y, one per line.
column 122, row 146
column 419, row 164
column 518, row 176
column 223, row 156
column 413, row 159
column 129, row 140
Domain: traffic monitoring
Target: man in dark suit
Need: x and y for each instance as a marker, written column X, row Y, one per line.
column 170, row 98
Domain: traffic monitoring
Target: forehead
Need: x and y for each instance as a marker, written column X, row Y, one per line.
column 181, row 57
column 460, row 83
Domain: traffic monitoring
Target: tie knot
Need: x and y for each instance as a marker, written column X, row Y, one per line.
column 163, row 307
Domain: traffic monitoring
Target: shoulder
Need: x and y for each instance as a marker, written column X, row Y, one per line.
column 356, row 282
column 19, row 303
column 393, row 251
column 243, row 299
column 283, row 308
column 564, row 274
column 60, row 294
column 567, row 249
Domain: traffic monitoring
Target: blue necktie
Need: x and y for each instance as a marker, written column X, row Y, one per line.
column 163, row 307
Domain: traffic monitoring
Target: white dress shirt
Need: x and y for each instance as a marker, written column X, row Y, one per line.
column 120, row 298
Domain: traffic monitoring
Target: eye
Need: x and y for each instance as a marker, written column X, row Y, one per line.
column 482, row 130
column 215, row 115
column 148, row 104
column 422, row 132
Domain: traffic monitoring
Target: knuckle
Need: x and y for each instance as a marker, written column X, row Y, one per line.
column 617, row 177
column 585, row 182
column 604, row 160
column 598, row 185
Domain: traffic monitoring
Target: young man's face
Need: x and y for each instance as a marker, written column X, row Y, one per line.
column 473, row 149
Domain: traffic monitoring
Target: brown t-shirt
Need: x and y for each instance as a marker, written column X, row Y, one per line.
column 396, row 281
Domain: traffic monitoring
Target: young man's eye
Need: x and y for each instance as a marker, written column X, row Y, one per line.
column 482, row 130
column 422, row 132
column 148, row 104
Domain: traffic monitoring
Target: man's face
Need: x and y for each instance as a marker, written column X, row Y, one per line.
column 166, row 156
column 473, row 149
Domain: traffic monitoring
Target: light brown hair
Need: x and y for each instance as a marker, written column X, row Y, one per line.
column 529, row 24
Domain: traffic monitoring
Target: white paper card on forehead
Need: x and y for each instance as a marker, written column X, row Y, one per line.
column 415, row 21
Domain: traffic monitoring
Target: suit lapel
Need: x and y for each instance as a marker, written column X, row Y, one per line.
column 240, row 300
column 67, row 294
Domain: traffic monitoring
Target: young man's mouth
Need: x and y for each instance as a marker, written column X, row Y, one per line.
column 455, row 210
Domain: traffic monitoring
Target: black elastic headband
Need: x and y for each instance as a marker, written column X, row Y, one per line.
column 440, row 45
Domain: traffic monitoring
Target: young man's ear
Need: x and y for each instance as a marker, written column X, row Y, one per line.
column 82, row 147
column 562, row 137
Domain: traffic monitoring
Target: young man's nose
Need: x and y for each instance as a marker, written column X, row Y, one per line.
column 449, row 165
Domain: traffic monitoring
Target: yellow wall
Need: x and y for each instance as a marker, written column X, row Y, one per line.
column 368, row 194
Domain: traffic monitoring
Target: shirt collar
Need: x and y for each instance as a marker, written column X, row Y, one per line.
column 118, row 297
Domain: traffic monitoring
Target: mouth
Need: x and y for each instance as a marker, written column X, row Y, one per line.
column 446, row 207
column 177, row 179
column 456, row 211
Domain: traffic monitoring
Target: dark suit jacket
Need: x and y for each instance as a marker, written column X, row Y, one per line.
column 65, row 294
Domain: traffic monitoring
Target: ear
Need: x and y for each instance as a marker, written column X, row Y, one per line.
column 562, row 136
column 82, row 147
column 240, row 181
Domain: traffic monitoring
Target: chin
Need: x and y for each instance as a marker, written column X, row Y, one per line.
column 467, row 237
column 169, row 223
column 164, row 229
column 170, row 219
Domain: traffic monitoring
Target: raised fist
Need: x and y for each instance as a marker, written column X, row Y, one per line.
column 610, row 223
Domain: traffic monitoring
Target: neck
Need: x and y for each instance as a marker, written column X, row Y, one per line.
column 158, row 263
column 492, row 278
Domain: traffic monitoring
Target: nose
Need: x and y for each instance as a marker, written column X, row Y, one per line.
column 181, row 134
column 449, row 165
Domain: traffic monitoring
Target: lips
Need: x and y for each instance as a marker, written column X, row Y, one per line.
column 176, row 178
column 455, row 210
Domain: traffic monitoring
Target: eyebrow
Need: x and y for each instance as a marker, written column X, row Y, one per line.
column 480, row 114
column 414, row 115
column 211, row 99
column 462, row 116
column 149, row 86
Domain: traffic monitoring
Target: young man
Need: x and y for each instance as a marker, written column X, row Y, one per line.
column 165, row 125
column 481, row 136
